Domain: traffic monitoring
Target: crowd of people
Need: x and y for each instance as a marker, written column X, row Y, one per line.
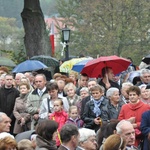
column 75, row 111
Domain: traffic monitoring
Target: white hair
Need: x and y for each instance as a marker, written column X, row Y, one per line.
column 129, row 84
column 111, row 91
column 84, row 89
column 5, row 134
column 144, row 71
column 85, row 134
column 120, row 124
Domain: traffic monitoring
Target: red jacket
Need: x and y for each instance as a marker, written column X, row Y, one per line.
column 133, row 110
column 60, row 118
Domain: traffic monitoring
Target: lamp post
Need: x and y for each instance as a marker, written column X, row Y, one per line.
column 66, row 37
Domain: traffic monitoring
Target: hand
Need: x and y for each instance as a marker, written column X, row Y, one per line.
column 22, row 121
column 132, row 119
column 107, row 84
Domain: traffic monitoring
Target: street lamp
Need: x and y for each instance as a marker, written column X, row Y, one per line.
column 65, row 38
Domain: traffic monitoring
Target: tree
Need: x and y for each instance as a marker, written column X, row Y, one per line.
column 36, row 39
column 107, row 27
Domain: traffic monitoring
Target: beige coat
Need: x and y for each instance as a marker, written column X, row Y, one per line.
column 20, row 111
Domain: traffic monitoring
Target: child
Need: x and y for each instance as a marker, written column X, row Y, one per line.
column 74, row 117
column 60, row 116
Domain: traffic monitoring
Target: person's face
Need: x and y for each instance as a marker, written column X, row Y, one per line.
column 133, row 97
column 145, row 78
column 124, row 92
column 8, row 81
column 70, row 92
column 23, row 89
column 110, row 74
column 61, row 84
column 145, row 93
column 128, row 133
column 115, row 97
column 53, row 93
column 54, row 135
column 40, row 82
column 91, row 84
column 74, row 113
column 72, row 76
column 57, row 106
column 2, row 72
column 5, row 124
column 90, row 143
column 83, row 81
column 2, row 81
column 96, row 94
column 84, row 94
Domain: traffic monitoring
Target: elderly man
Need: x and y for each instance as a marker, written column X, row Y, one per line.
column 35, row 98
column 125, row 129
column 87, row 139
column 144, row 76
column 69, row 135
column 5, row 123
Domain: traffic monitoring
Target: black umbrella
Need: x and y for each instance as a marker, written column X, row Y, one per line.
column 47, row 60
column 146, row 59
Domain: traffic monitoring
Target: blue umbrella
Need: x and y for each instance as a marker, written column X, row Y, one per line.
column 79, row 66
column 29, row 65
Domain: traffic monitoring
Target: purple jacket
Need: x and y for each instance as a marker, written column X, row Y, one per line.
column 78, row 122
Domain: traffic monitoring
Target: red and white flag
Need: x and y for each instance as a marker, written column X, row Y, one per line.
column 52, row 38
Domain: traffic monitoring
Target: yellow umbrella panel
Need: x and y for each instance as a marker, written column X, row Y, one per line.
column 67, row 65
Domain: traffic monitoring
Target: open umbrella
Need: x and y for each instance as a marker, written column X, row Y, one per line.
column 146, row 59
column 94, row 67
column 4, row 61
column 29, row 65
column 79, row 66
column 47, row 60
column 67, row 65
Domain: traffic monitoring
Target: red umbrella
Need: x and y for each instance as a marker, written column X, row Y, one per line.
column 93, row 67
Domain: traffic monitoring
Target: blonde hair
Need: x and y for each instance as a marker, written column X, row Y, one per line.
column 25, row 144
column 72, row 107
column 7, row 142
column 114, row 142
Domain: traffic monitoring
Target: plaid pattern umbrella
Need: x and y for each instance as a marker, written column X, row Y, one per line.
column 47, row 60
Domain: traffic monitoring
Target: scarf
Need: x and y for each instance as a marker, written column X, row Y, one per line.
column 97, row 104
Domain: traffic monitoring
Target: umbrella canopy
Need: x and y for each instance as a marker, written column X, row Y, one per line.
column 47, row 60
column 29, row 65
column 79, row 66
column 4, row 61
column 146, row 59
column 94, row 67
column 67, row 65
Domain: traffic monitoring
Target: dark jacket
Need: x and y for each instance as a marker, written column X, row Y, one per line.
column 89, row 116
column 7, row 102
column 112, row 83
column 110, row 112
column 145, row 128
column 42, row 144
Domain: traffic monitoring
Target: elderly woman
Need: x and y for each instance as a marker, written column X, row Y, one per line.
column 145, row 94
column 87, row 140
column 72, row 97
column 112, row 109
column 46, row 134
column 133, row 111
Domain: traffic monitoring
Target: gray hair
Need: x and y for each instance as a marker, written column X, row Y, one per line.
column 84, row 89
column 85, row 134
column 68, row 86
column 129, row 84
column 120, row 124
column 111, row 91
column 1, row 116
column 144, row 71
